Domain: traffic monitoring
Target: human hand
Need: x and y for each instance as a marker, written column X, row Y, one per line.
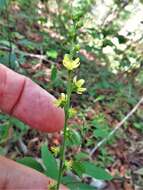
column 14, row 176
column 22, row 98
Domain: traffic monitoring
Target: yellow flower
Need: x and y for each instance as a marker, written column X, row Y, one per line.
column 72, row 112
column 61, row 101
column 78, row 85
column 55, row 150
column 70, row 64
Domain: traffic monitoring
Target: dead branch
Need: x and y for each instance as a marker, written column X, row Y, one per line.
column 116, row 127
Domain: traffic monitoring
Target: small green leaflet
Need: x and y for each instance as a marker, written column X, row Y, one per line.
column 52, row 54
column 49, row 162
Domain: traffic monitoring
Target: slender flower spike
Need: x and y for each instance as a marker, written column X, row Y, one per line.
column 78, row 85
column 61, row 101
column 70, row 64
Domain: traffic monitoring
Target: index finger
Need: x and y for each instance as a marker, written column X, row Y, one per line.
column 25, row 100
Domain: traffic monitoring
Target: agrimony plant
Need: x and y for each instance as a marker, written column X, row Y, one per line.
column 71, row 63
column 73, row 85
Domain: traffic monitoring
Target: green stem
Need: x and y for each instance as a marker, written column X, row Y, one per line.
column 8, row 32
column 63, row 146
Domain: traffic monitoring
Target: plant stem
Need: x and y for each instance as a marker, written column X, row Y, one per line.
column 8, row 32
column 63, row 146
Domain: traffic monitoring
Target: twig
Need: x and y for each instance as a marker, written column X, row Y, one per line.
column 117, row 127
column 37, row 56
column 22, row 146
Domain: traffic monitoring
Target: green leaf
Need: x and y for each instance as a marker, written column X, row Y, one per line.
column 80, row 186
column 30, row 162
column 28, row 44
column 6, row 43
column 74, row 138
column 68, row 179
column 78, row 167
column 19, row 124
column 49, row 162
column 52, row 54
column 53, row 73
column 13, row 61
column 3, row 117
column 99, row 98
column 81, row 156
column 95, row 123
column 4, row 132
column 3, row 4
column 100, row 133
column 19, row 130
column 98, row 173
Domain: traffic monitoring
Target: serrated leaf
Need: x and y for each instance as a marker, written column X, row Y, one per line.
column 49, row 162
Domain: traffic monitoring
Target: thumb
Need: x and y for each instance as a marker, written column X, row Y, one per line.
column 24, row 99
column 19, row 177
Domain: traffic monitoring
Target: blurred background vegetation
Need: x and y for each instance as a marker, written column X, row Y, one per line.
column 35, row 35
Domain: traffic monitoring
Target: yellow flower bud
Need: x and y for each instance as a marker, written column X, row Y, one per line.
column 72, row 112
column 78, row 85
column 55, row 150
column 70, row 64
column 81, row 90
column 61, row 101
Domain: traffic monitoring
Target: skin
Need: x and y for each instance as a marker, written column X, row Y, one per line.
column 22, row 98
column 25, row 100
column 14, row 176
